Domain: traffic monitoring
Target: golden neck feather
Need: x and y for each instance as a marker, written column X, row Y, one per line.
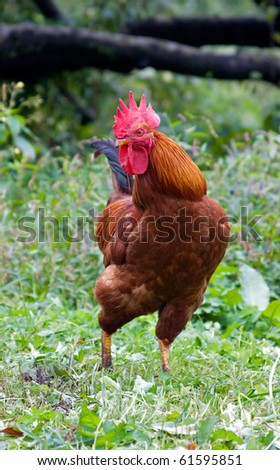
column 171, row 171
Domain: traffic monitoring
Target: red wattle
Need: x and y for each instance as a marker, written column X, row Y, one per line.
column 124, row 160
column 138, row 157
column 134, row 159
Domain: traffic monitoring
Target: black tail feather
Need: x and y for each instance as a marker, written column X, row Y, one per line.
column 122, row 181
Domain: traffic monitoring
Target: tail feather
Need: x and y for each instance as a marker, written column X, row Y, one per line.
column 121, row 180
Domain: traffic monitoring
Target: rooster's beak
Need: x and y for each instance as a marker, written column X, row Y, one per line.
column 120, row 142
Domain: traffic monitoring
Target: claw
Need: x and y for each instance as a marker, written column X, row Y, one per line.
column 164, row 347
column 106, row 350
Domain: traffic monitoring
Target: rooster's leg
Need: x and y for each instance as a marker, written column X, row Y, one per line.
column 173, row 316
column 164, row 346
column 106, row 350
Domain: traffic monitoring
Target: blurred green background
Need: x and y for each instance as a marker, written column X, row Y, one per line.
column 233, row 107
column 224, row 389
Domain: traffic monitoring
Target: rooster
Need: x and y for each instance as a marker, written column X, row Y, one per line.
column 162, row 237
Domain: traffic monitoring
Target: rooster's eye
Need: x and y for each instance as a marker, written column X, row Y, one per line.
column 140, row 132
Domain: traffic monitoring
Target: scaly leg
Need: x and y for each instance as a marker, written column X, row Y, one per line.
column 164, row 346
column 106, row 350
column 173, row 316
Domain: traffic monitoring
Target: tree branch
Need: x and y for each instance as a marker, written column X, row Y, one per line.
column 49, row 9
column 199, row 31
column 267, row 3
column 28, row 52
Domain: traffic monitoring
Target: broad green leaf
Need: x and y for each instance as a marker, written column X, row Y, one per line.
column 226, row 435
column 15, row 124
column 232, row 297
column 25, row 146
column 28, row 432
column 139, row 435
column 108, row 426
column 88, row 420
column 254, row 289
column 273, row 312
column 3, row 133
column 206, row 429
column 115, row 436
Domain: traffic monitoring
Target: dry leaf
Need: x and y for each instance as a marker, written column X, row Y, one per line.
column 12, row 432
column 190, row 445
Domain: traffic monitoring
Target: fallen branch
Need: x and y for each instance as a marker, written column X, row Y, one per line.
column 28, row 52
column 266, row 3
column 199, row 31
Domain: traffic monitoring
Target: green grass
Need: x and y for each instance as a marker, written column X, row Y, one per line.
column 224, row 389
column 53, row 390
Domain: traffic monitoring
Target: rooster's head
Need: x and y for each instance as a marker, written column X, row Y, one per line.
column 133, row 128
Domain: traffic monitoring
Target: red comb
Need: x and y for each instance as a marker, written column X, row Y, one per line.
column 127, row 116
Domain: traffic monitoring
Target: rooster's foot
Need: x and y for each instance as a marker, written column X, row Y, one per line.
column 164, row 346
column 106, row 350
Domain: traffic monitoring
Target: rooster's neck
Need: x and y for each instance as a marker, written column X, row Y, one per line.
column 171, row 171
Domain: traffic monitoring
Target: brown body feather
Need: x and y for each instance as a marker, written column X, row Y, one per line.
column 161, row 245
